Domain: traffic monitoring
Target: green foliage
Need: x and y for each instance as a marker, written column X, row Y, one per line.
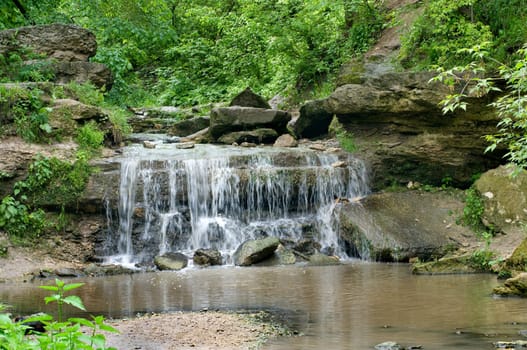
column 26, row 109
column 444, row 27
column 482, row 259
column 18, row 221
column 69, row 334
column 24, row 65
column 473, row 210
column 89, row 137
column 511, row 106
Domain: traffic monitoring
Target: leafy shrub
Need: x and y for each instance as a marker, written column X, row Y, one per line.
column 473, row 209
column 89, row 137
column 18, row 221
column 436, row 36
column 60, row 334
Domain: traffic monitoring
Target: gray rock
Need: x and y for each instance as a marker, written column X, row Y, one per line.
column 286, row 140
column 253, row 251
column 225, row 120
column 189, row 126
column 397, row 226
column 315, row 117
column 62, row 42
column 257, row 136
column 247, row 98
column 207, row 257
column 171, row 261
column 83, row 72
column 185, row 145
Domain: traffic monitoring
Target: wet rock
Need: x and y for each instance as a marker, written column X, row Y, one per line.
column 286, row 140
column 389, row 345
column 317, row 147
column 149, row 144
column 257, row 136
column 284, row 256
column 444, row 266
column 247, row 98
column 307, row 246
column 319, row 259
column 397, row 226
column 253, row 251
column 171, row 261
column 68, row 272
column 515, row 286
column 225, row 120
column 339, row 164
column 246, row 144
column 185, row 145
column 107, row 270
column 207, row 257
column 189, row 126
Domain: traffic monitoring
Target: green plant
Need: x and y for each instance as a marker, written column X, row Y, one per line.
column 89, row 137
column 18, row 221
column 473, row 210
column 482, row 259
column 60, row 334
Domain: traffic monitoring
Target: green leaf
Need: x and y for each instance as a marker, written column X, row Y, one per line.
column 52, row 298
column 75, row 301
column 71, row 286
column 82, row 321
column 52, row 288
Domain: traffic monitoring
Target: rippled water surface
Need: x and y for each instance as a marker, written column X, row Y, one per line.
column 353, row 306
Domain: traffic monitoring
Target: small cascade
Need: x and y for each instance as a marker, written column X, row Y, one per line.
column 220, row 196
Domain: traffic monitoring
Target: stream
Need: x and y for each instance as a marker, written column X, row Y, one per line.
column 352, row 306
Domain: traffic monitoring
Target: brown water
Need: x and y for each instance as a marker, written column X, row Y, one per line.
column 353, row 306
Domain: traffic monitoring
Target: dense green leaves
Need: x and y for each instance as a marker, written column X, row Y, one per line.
column 186, row 52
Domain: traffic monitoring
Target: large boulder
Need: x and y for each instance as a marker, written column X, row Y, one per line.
column 504, row 195
column 315, row 117
column 253, row 251
column 62, row 42
column 225, row 120
column 80, row 72
column 247, row 98
column 188, row 127
column 207, row 257
column 171, row 261
column 398, row 226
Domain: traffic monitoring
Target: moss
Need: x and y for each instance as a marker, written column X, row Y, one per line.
column 518, row 260
column 447, row 265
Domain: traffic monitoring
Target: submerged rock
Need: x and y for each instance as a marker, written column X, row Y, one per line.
column 444, row 266
column 322, row 259
column 253, row 251
column 171, row 261
column 515, row 286
column 389, row 345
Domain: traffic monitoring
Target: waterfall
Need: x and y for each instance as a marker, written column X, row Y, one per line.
column 219, row 196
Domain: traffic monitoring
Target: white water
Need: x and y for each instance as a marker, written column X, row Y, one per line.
column 219, row 196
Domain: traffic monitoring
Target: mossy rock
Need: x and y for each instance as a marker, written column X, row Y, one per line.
column 515, row 286
column 518, row 260
column 448, row 265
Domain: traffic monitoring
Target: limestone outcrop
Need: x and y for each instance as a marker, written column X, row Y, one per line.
column 399, row 129
column 62, row 50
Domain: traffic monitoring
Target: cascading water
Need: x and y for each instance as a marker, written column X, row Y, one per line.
column 220, row 196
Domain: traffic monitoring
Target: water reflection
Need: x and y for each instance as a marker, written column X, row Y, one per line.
column 352, row 306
